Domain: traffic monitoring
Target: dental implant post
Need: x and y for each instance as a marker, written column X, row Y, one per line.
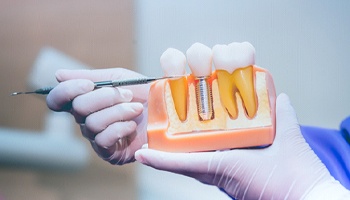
column 204, row 99
column 199, row 58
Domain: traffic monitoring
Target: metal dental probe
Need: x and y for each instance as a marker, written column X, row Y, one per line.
column 99, row 84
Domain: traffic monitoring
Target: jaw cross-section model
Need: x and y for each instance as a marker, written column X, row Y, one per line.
column 231, row 107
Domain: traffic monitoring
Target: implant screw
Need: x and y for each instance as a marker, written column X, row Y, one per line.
column 204, row 99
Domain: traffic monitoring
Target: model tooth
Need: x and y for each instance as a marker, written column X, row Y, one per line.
column 235, row 74
column 199, row 58
column 173, row 63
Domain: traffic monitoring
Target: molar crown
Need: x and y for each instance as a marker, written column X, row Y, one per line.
column 235, row 74
column 233, row 56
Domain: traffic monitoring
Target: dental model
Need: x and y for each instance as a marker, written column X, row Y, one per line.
column 231, row 107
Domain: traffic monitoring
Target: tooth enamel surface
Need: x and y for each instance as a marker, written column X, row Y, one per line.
column 233, row 56
column 173, row 62
column 234, row 64
column 199, row 58
column 243, row 54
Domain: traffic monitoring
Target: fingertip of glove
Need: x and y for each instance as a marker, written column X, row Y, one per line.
column 60, row 74
column 51, row 104
column 285, row 112
column 138, row 108
column 126, row 94
column 85, row 85
column 139, row 156
column 283, row 97
column 142, row 154
column 66, row 91
column 283, row 103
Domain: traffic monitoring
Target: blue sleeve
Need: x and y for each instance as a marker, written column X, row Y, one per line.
column 333, row 148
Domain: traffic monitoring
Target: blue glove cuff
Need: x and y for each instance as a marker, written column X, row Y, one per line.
column 333, row 148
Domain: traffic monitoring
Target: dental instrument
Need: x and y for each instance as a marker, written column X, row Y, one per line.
column 99, row 84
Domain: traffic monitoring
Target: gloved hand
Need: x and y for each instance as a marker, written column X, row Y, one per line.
column 114, row 120
column 288, row 169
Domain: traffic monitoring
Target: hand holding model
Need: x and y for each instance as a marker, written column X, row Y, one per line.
column 288, row 169
column 114, row 120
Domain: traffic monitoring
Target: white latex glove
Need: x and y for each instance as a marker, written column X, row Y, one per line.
column 114, row 120
column 288, row 169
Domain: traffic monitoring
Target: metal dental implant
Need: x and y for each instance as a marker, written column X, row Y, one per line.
column 199, row 58
column 204, row 99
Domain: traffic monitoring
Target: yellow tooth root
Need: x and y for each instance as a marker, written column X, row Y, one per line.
column 227, row 89
column 242, row 81
column 179, row 92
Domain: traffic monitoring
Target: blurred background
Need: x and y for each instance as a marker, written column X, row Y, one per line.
column 93, row 33
column 305, row 45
